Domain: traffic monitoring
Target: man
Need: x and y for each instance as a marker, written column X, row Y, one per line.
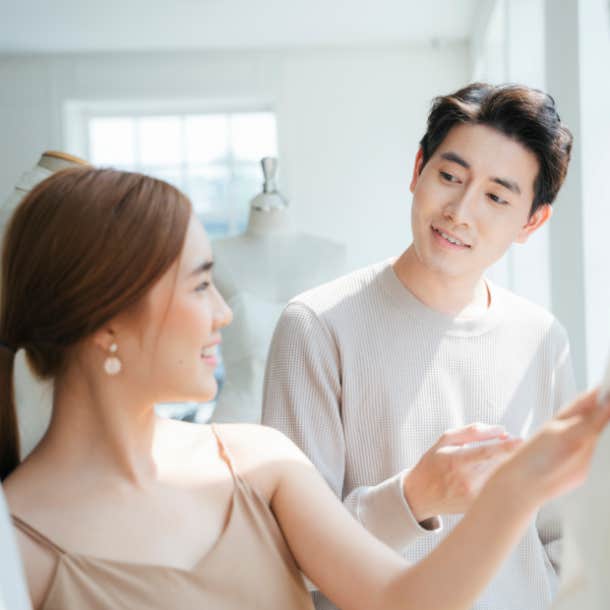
column 390, row 377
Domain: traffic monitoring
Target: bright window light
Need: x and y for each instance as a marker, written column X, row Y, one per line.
column 213, row 157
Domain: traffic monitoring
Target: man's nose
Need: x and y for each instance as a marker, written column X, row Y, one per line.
column 460, row 209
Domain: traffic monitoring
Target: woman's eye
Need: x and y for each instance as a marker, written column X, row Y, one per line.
column 448, row 177
column 497, row 199
column 202, row 286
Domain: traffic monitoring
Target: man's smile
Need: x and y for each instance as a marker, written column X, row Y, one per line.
column 449, row 238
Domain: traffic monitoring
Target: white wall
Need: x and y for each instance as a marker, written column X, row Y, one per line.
column 578, row 68
column 562, row 46
column 348, row 120
column 594, row 39
column 508, row 46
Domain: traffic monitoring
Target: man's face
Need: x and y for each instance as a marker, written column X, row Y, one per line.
column 472, row 200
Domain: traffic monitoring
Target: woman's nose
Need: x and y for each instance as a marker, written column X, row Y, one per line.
column 223, row 314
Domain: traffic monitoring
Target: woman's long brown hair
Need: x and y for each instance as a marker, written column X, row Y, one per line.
column 83, row 246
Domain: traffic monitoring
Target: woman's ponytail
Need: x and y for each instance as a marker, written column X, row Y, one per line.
column 82, row 246
column 9, row 431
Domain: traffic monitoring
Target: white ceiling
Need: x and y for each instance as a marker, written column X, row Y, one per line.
column 119, row 25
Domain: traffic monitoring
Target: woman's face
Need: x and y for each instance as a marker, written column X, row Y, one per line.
column 170, row 347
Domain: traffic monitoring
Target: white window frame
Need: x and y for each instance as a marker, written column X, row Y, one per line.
column 78, row 113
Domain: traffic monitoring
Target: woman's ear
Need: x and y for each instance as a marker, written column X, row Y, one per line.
column 104, row 338
column 542, row 214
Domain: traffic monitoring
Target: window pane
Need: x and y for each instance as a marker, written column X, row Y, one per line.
column 206, row 138
column 111, row 141
column 215, row 228
column 207, row 188
column 214, row 158
column 173, row 175
column 160, row 140
column 247, row 182
column 253, row 136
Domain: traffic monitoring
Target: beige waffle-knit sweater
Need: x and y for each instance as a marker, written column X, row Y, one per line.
column 365, row 378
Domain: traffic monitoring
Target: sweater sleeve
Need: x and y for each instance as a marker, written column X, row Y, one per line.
column 548, row 521
column 302, row 399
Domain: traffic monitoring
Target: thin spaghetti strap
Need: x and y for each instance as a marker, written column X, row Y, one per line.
column 224, row 452
column 35, row 535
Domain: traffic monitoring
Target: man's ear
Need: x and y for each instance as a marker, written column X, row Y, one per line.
column 417, row 167
column 542, row 214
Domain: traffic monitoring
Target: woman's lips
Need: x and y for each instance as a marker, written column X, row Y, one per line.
column 209, row 355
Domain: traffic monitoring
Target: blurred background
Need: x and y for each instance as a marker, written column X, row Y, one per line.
column 197, row 91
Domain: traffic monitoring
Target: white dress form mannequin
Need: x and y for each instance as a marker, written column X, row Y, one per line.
column 33, row 397
column 585, row 573
column 258, row 273
column 50, row 162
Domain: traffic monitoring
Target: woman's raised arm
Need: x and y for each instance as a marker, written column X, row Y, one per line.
column 356, row 571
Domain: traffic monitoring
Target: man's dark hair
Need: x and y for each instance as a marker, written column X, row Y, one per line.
column 527, row 115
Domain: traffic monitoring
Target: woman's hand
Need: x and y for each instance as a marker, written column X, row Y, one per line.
column 554, row 461
column 356, row 571
column 557, row 458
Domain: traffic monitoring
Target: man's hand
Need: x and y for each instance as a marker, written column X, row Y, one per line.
column 450, row 474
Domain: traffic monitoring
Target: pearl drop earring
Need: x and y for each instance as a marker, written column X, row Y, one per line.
column 112, row 364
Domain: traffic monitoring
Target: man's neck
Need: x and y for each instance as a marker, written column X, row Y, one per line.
column 466, row 296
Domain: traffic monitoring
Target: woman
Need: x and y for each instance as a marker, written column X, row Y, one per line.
column 107, row 283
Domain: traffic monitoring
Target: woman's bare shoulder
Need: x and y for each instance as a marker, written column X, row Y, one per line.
column 25, row 500
column 257, row 442
column 261, row 454
column 24, row 487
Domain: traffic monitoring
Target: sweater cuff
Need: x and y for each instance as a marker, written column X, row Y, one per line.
column 385, row 512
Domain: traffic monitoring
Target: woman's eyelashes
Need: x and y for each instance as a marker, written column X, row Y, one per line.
column 203, row 286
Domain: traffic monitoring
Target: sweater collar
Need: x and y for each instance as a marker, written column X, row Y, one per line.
column 458, row 325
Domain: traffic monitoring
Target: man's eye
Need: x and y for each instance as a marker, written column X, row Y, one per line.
column 202, row 286
column 497, row 199
column 448, row 177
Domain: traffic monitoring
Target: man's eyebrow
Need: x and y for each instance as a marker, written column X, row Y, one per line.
column 511, row 185
column 206, row 266
column 455, row 158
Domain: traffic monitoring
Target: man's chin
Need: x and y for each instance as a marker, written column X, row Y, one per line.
column 446, row 268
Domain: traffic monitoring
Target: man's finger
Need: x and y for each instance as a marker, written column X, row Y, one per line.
column 487, row 453
column 472, row 434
